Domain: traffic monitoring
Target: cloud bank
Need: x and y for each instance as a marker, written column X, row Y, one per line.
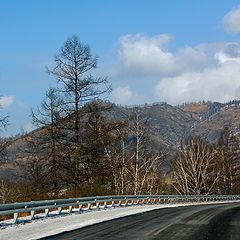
column 190, row 73
column 143, row 55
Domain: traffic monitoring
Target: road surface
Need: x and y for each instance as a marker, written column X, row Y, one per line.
column 214, row 222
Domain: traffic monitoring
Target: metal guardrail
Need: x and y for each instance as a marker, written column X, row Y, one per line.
column 97, row 202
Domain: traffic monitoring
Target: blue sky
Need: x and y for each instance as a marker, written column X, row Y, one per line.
column 168, row 50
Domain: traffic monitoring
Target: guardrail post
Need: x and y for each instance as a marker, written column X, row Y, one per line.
column 59, row 210
column 126, row 202
column 32, row 212
column 80, row 208
column 97, row 204
column 70, row 209
column 46, row 212
column 112, row 205
column 15, row 217
column 89, row 206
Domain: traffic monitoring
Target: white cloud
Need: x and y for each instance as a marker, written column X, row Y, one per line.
column 143, row 55
column 231, row 21
column 6, row 101
column 123, row 95
column 220, row 83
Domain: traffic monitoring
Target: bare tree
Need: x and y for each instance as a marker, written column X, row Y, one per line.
column 118, row 158
column 5, row 191
column 123, row 161
column 143, row 162
column 48, row 117
column 194, row 169
column 77, row 86
column 34, row 168
column 4, row 142
column 4, row 120
column 228, row 156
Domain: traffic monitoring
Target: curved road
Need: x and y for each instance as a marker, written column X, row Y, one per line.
column 220, row 222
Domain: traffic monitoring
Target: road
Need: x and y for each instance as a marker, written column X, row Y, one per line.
column 214, row 222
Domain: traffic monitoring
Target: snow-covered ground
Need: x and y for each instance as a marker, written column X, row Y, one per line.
column 44, row 227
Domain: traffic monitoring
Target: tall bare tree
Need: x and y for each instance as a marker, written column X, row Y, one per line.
column 76, row 84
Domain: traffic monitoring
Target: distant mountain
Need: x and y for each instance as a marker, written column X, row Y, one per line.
column 210, row 128
column 168, row 125
column 212, row 117
column 203, row 110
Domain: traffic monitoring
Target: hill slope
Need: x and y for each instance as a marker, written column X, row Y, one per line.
column 168, row 125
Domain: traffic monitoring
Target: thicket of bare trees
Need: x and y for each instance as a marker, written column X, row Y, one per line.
column 203, row 168
column 135, row 168
column 194, row 169
column 228, row 157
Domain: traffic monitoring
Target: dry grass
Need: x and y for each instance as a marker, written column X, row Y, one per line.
column 196, row 108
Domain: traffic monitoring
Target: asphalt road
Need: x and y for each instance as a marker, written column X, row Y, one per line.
column 215, row 222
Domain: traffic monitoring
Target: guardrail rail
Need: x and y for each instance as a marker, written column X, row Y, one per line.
column 97, row 202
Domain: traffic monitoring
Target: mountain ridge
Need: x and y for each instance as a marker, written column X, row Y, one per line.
column 168, row 126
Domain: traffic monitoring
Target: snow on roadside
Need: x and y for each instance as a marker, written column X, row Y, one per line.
column 44, row 227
